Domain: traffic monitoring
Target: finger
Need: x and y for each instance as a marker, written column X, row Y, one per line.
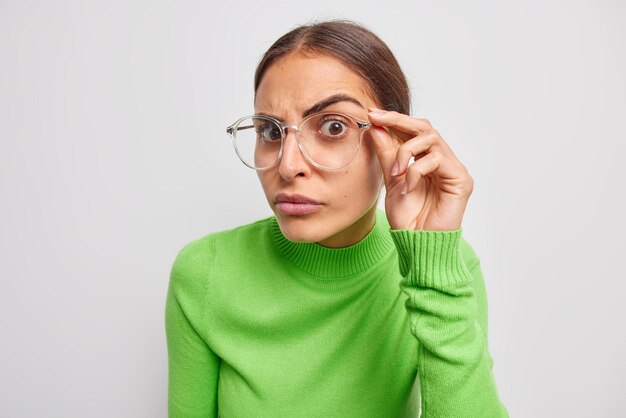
column 404, row 126
column 434, row 163
column 415, row 148
column 386, row 149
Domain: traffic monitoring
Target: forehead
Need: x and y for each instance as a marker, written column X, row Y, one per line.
column 296, row 81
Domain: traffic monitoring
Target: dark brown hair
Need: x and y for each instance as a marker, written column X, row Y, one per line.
column 354, row 46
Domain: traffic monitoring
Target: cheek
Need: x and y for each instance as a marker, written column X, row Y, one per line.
column 265, row 179
column 371, row 165
column 363, row 180
column 261, row 178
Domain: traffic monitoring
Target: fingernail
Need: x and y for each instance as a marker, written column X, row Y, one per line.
column 405, row 187
column 375, row 110
column 394, row 169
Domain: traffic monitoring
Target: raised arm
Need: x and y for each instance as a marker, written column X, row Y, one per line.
column 448, row 308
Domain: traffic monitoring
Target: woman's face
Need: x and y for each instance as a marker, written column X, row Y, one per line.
column 347, row 197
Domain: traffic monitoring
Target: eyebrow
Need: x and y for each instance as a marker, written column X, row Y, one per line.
column 322, row 104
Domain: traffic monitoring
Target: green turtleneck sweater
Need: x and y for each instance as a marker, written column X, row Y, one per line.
column 261, row 326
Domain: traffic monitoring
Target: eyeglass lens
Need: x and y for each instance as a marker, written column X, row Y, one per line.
column 330, row 140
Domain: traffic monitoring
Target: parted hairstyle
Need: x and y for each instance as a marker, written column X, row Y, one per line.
column 354, row 46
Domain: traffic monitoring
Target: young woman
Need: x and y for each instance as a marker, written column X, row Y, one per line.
column 305, row 313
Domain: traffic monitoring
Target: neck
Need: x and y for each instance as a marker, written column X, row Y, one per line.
column 335, row 263
column 354, row 233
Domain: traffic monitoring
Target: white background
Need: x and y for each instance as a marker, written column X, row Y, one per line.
column 113, row 155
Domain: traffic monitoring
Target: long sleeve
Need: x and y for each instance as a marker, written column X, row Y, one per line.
column 193, row 368
column 448, row 310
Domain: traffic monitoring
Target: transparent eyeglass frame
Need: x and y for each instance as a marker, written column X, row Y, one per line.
column 232, row 132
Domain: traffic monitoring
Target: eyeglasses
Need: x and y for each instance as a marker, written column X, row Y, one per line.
column 328, row 140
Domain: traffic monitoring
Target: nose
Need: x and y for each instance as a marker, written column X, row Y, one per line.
column 292, row 162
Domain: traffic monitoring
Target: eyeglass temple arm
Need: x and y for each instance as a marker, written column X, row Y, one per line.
column 231, row 128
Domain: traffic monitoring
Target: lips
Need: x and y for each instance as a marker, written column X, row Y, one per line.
column 296, row 204
column 294, row 198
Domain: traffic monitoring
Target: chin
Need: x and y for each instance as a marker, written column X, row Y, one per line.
column 301, row 229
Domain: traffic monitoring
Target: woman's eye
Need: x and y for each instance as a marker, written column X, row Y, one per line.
column 333, row 128
column 271, row 132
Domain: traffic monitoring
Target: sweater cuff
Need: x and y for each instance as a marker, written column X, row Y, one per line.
column 431, row 258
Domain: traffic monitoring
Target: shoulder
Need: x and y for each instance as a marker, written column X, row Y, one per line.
column 197, row 257
column 201, row 261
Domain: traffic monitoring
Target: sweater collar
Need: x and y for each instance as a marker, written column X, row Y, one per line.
column 334, row 263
